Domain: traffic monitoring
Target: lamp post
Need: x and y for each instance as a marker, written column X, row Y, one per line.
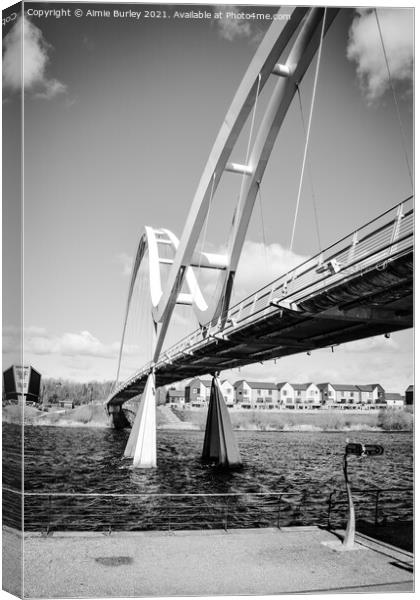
column 348, row 541
column 360, row 450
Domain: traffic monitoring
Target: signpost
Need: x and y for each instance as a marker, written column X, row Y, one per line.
column 360, row 450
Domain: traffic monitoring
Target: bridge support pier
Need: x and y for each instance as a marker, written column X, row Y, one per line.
column 141, row 445
column 119, row 420
column 220, row 445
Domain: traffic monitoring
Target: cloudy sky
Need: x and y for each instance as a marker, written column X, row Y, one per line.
column 120, row 115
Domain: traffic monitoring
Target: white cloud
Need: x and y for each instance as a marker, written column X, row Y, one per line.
column 374, row 344
column 37, row 52
column 231, row 27
column 259, row 265
column 37, row 341
column 365, row 49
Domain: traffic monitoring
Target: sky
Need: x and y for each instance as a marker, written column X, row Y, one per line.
column 120, row 114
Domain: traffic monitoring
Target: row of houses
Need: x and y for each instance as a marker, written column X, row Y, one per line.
column 260, row 395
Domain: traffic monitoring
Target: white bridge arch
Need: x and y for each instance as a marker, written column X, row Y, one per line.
column 302, row 29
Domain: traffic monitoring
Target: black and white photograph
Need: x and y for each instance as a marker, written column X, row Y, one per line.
column 207, row 306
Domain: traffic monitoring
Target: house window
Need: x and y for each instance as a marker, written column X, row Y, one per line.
column 299, row 393
column 284, row 392
column 196, row 390
column 351, row 394
column 270, row 392
column 258, row 392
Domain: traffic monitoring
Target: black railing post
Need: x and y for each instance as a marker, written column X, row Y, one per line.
column 49, row 513
column 169, row 515
column 278, row 512
column 226, row 513
column 304, row 506
column 377, row 506
column 330, row 508
column 111, row 501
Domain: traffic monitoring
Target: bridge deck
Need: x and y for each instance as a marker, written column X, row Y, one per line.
column 360, row 287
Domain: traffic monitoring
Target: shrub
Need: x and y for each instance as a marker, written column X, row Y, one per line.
column 390, row 418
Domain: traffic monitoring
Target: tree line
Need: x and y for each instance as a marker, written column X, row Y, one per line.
column 54, row 391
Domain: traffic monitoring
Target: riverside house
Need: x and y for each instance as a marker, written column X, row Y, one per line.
column 255, row 394
column 372, row 395
column 339, row 395
column 285, row 395
column 306, row 396
column 228, row 393
column 265, row 395
column 175, row 398
column 409, row 395
column 197, row 392
column 349, row 396
column 394, row 400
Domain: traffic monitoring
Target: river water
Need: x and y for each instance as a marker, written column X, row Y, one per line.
column 76, row 478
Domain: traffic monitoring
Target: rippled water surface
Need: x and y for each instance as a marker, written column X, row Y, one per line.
column 88, row 460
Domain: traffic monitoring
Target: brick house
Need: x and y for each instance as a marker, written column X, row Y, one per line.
column 197, row 392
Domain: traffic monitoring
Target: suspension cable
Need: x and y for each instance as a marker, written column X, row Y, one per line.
column 397, row 109
column 311, row 183
column 262, row 222
column 308, row 131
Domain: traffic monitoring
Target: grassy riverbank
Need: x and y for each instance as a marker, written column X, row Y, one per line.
column 94, row 415
column 90, row 415
column 325, row 420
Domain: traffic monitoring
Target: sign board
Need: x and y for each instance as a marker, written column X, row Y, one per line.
column 364, row 449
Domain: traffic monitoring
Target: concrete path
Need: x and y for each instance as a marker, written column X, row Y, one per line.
column 237, row 562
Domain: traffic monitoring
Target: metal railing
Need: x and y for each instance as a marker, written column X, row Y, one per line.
column 167, row 512
column 371, row 246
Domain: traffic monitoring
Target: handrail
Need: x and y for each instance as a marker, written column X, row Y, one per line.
column 138, row 511
column 198, row 494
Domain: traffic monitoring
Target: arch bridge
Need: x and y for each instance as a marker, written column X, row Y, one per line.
column 359, row 287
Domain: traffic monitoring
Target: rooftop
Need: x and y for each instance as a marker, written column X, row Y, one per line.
column 258, row 385
column 393, row 396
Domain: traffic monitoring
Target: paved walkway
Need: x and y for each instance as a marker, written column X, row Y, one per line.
column 197, row 563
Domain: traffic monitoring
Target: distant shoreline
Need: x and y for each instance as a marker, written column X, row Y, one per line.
column 94, row 416
column 75, row 425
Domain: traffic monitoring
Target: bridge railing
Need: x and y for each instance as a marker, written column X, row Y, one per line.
column 370, row 246
column 112, row 512
column 375, row 242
